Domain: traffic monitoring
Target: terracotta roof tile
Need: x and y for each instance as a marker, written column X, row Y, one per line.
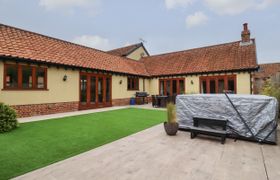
column 19, row 43
column 267, row 70
column 124, row 51
column 222, row 57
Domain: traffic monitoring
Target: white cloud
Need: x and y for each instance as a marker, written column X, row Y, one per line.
column 59, row 4
column 127, row 44
column 233, row 7
column 94, row 42
column 171, row 4
column 196, row 19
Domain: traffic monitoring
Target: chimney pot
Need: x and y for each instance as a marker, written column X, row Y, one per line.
column 245, row 34
column 245, row 26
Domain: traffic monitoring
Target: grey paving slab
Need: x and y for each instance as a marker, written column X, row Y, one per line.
column 151, row 154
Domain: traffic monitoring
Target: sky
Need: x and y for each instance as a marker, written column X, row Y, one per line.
column 164, row 25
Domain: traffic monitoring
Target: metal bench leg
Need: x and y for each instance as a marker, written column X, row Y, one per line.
column 193, row 135
column 223, row 139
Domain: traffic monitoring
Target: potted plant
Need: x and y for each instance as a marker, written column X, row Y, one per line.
column 171, row 126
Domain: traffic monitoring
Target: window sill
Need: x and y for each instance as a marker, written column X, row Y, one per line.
column 133, row 89
column 7, row 89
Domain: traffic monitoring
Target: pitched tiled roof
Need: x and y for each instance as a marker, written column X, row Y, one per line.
column 223, row 57
column 23, row 44
column 27, row 45
column 267, row 70
column 124, row 51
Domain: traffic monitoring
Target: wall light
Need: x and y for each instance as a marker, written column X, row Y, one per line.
column 191, row 81
column 65, row 77
column 120, row 82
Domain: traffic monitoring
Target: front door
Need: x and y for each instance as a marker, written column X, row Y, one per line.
column 95, row 90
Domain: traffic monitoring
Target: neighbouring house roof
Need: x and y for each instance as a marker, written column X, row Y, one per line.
column 124, row 51
column 267, row 70
column 218, row 58
column 18, row 43
column 30, row 46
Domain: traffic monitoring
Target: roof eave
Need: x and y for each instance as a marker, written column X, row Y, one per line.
column 40, row 62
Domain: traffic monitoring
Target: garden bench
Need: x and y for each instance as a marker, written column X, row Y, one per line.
column 206, row 129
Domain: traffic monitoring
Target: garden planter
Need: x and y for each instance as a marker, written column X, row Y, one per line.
column 171, row 128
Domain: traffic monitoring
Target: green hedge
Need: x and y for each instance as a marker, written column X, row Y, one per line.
column 8, row 118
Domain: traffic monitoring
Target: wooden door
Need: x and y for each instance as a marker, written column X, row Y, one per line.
column 95, row 90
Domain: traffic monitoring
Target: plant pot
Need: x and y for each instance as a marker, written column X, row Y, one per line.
column 171, row 128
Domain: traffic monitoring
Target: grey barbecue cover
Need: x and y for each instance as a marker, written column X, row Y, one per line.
column 259, row 112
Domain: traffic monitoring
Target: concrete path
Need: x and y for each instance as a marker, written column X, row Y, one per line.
column 75, row 113
column 151, row 154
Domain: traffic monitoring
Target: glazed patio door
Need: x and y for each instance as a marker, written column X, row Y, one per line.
column 172, row 86
column 95, row 91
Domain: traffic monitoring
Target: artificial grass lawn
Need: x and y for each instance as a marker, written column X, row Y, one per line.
column 37, row 144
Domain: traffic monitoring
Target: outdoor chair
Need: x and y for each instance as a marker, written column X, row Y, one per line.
column 154, row 101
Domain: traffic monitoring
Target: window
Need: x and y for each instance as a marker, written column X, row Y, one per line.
column 218, row 84
column 41, row 78
column 11, row 78
column 27, row 77
column 172, row 86
column 83, row 89
column 132, row 83
column 24, row 77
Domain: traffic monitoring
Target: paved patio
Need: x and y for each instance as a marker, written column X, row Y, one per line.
column 151, row 154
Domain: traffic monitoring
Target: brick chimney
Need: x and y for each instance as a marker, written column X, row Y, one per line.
column 245, row 34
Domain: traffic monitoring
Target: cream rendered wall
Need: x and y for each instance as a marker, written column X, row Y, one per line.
column 136, row 55
column 243, row 83
column 153, row 86
column 120, row 91
column 58, row 90
column 192, row 88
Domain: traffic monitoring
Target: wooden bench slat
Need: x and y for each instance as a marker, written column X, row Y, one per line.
column 208, row 130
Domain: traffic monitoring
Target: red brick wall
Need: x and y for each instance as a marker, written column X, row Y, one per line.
column 121, row 102
column 125, row 101
column 43, row 109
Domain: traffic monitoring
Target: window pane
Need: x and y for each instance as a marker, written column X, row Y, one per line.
column 40, row 76
column 231, row 85
column 212, row 86
column 168, row 87
column 182, row 86
column 12, row 76
column 203, row 87
column 100, row 90
column 136, row 83
column 161, row 87
column 92, row 90
column 26, row 77
column 83, row 89
column 174, row 87
column 221, row 86
column 108, row 90
column 132, row 83
column 128, row 83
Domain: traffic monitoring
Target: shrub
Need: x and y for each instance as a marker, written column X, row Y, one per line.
column 271, row 88
column 171, row 113
column 8, row 118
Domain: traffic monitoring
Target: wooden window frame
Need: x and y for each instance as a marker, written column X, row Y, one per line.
column 217, row 78
column 135, row 80
column 171, row 85
column 19, row 71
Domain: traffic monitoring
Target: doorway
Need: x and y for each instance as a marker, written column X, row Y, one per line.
column 95, row 90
